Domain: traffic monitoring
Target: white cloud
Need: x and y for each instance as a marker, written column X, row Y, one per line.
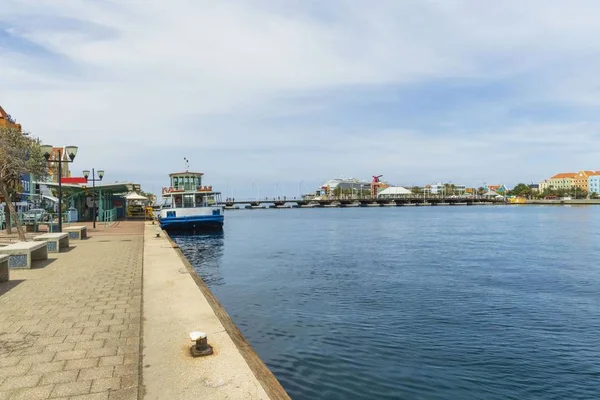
column 133, row 83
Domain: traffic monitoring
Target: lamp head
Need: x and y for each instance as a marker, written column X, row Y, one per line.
column 101, row 174
column 71, row 152
column 86, row 174
column 46, row 151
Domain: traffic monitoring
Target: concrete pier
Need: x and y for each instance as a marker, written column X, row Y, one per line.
column 174, row 306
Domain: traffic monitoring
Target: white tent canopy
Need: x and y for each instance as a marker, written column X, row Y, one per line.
column 491, row 193
column 135, row 196
column 394, row 191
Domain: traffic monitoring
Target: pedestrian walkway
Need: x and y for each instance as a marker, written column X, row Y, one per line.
column 70, row 329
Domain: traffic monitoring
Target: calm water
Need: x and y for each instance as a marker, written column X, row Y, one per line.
column 415, row 303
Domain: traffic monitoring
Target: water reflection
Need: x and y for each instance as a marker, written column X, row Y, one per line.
column 204, row 251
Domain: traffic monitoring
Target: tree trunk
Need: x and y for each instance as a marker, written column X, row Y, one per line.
column 13, row 213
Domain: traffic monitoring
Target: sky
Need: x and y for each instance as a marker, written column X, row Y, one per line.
column 276, row 97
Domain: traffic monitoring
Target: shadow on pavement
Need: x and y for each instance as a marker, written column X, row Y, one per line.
column 5, row 287
column 42, row 263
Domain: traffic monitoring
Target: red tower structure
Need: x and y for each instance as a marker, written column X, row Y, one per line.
column 375, row 185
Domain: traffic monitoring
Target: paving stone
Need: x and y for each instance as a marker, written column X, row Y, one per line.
column 34, row 393
column 70, row 355
column 92, row 396
column 92, row 344
column 128, row 349
column 96, row 373
column 66, row 346
column 9, row 361
column 42, row 368
column 60, row 377
column 43, row 341
column 18, row 382
column 79, row 338
column 106, row 384
column 95, row 329
column 71, row 388
column 107, row 335
column 85, row 324
column 68, row 332
column 131, row 359
column 82, row 363
column 129, row 381
column 124, row 394
column 127, row 369
column 111, row 360
column 103, row 352
column 16, row 370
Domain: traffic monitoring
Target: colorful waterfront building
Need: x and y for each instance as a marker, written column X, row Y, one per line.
column 500, row 189
column 563, row 180
column 594, row 183
column 581, row 179
column 568, row 181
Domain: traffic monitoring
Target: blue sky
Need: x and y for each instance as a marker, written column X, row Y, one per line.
column 271, row 94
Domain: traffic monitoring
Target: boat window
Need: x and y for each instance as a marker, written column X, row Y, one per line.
column 188, row 200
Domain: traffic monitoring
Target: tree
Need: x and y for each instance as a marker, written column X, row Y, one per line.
column 416, row 190
column 481, row 191
column 521, row 190
column 20, row 154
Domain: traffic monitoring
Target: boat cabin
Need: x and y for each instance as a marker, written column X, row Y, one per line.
column 187, row 191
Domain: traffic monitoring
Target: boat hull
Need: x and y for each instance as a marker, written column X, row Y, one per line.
column 201, row 218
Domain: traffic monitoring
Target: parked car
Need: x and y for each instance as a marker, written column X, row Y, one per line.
column 35, row 215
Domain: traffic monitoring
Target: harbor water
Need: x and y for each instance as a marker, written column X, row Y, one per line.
column 481, row 302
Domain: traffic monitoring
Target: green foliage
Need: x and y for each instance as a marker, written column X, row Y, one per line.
column 521, row 190
column 416, row 190
column 575, row 192
column 20, row 154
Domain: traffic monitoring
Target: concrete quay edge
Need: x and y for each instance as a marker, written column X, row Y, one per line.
column 172, row 307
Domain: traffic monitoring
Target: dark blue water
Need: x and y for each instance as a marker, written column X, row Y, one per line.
column 486, row 302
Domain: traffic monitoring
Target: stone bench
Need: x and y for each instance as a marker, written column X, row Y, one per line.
column 56, row 241
column 76, row 232
column 4, row 273
column 21, row 254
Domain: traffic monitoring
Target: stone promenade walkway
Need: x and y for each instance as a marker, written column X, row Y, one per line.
column 70, row 328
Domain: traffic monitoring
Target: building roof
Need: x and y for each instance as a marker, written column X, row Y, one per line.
column 394, row 190
column 187, row 173
column 564, row 175
column 594, row 173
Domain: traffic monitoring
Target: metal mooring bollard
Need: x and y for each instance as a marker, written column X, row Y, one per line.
column 201, row 348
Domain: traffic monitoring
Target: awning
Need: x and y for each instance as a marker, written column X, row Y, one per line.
column 51, row 198
column 135, row 196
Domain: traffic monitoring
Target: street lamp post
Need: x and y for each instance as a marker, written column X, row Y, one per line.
column 86, row 174
column 48, row 153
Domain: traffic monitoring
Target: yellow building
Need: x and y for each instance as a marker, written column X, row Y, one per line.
column 6, row 120
column 581, row 179
column 564, row 180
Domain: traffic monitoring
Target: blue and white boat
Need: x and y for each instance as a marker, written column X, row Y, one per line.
column 188, row 205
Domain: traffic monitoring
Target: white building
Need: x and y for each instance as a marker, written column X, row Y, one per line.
column 440, row 188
